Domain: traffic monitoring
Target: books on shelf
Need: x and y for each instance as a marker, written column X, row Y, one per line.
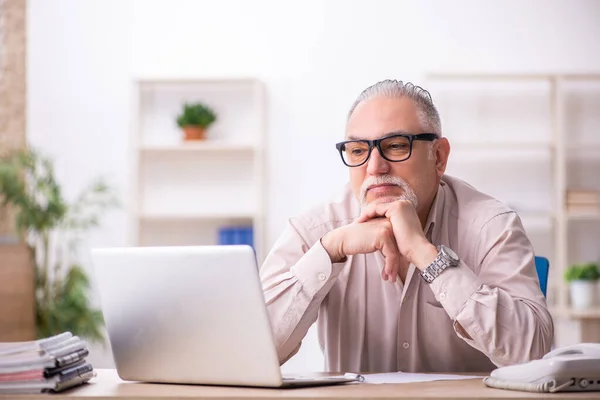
column 579, row 200
column 51, row 364
column 233, row 235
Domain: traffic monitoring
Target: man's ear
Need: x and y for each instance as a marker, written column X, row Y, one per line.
column 442, row 152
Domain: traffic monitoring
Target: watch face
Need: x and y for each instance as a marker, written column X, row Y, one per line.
column 451, row 254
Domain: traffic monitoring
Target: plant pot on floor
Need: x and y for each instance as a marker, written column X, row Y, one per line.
column 194, row 132
column 583, row 294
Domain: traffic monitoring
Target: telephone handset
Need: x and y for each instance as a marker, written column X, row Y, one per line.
column 584, row 349
column 573, row 368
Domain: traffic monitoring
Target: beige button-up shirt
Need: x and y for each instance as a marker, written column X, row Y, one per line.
column 366, row 324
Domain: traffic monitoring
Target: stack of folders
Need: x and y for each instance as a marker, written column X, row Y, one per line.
column 232, row 235
column 51, row 364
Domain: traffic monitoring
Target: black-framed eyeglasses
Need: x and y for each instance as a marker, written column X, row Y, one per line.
column 393, row 148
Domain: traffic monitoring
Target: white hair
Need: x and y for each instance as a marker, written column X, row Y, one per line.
column 428, row 113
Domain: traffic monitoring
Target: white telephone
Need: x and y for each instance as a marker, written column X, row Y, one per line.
column 572, row 368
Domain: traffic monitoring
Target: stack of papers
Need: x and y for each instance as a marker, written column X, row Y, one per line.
column 52, row 364
column 408, row 377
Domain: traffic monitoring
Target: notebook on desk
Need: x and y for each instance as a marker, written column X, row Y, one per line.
column 190, row 315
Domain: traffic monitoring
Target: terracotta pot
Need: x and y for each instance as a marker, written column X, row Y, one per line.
column 194, row 132
column 17, row 291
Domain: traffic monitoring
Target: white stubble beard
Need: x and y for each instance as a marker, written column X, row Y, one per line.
column 407, row 192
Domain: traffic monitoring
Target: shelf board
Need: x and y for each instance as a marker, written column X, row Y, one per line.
column 576, row 314
column 189, row 79
column 173, row 217
column 204, row 146
column 587, row 149
column 583, row 314
column 481, row 75
column 579, row 216
column 501, row 146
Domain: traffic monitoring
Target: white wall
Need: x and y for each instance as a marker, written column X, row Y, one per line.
column 314, row 57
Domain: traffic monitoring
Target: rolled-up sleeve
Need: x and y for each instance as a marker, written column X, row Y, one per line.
column 296, row 277
column 498, row 302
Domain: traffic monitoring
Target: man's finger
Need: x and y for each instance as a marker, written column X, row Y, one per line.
column 373, row 211
column 391, row 255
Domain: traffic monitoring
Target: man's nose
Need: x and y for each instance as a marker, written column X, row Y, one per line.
column 377, row 165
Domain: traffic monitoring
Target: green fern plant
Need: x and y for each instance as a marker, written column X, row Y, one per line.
column 582, row 272
column 196, row 115
column 53, row 229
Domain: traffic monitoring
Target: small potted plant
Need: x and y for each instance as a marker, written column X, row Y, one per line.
column 195, row 119
column 582, row 280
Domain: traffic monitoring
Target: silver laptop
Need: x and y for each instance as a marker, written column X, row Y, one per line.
column 193, row 315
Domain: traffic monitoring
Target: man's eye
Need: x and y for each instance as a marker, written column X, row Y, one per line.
column 397, row 146
column 357, row 152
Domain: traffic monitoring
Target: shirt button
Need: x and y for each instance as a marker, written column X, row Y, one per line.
column 405, row 345
column 322, row 276
column 333, row 279
column 443, row 296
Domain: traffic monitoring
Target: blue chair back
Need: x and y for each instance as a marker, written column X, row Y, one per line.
column 542, row 265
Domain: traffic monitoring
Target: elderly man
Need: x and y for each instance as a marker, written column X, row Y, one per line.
column 410, row 270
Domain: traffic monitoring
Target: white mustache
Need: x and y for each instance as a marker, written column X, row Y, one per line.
column 407, row 192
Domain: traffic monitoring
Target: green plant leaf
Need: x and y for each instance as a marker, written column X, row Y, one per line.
column 69, row 309
column 197, row 114
column 582, row 272
column 53, row 228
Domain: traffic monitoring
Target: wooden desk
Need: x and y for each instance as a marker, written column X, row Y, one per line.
column 107, row 385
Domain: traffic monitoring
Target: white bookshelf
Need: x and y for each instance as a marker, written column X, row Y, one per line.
column 201, row 147
column 183, row 192
column 526, row 139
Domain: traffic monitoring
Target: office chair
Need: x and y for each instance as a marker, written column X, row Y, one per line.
column 542, row 265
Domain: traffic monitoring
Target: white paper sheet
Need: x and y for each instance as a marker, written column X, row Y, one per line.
column 406, row 377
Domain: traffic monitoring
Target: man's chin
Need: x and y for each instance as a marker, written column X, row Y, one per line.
column 382, row 200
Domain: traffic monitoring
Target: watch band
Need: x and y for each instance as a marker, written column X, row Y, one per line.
column 441, row 262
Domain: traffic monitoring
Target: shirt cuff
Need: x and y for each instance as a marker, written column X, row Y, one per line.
column 315, row 270
column 454, row 286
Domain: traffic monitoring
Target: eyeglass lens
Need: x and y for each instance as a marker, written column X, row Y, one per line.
column 395, row 148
